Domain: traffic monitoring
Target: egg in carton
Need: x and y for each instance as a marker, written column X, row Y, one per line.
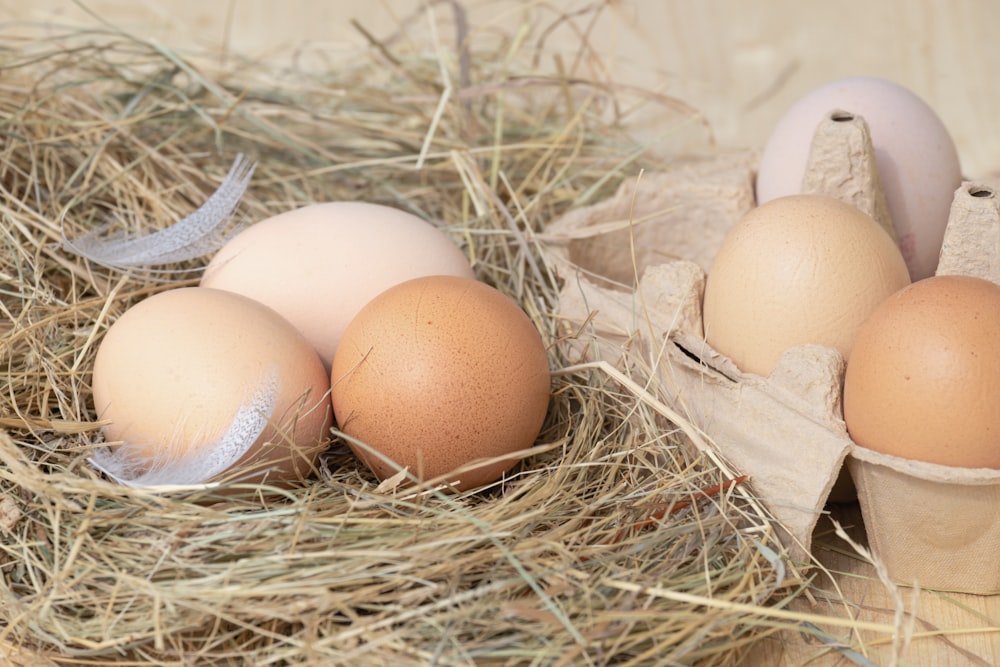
column 634, row 269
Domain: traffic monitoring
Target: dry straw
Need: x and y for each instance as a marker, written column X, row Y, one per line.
column 612, row 542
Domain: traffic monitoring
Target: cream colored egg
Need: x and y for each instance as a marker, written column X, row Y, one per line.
column 197, row 382
column 318, row 265
column 797, row 270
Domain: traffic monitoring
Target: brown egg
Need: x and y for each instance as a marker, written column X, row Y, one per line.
column 799, row 269
column 196, row 382
column 319, row 264
column 923, row 381
column 437, row 372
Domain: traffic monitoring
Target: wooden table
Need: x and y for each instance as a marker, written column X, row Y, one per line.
column 947, row 629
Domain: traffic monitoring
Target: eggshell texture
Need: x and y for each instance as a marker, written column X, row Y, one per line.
column 799, row 269
column 319, row 264
column 923, row 381
column 917, row 160
column 437, row 372
column 173, row 371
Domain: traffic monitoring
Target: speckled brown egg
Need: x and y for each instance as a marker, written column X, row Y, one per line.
column 923, row 381
column 799, row 269
column 436, row 373
column 197, row 383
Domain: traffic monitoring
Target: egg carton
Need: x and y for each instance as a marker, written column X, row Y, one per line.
column 633, row 270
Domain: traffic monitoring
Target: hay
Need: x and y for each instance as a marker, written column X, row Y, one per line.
column 611, row 542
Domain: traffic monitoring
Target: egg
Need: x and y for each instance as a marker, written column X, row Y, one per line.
column 799, row 269
column 319, row 264
column 193, row 381
column 436, row 373
column 923, row 381
column 917, row 160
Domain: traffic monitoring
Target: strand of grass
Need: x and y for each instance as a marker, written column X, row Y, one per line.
column 499, row 118
column 904, row 622
column 446, row 91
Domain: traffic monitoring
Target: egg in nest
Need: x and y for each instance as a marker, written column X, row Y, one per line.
column 198, row 384
column 443, row 376
column 318, row 265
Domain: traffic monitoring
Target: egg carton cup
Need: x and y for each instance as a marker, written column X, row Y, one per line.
column 633, row 270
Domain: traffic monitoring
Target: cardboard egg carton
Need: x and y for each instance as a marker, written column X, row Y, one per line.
column 633, row 270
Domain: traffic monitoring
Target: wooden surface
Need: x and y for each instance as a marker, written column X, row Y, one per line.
column 740, row 63
column 947, row 629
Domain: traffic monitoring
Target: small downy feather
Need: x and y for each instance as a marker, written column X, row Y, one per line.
column 191, row 237
column 122, row 465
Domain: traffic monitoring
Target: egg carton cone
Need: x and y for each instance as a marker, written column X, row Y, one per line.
column 633, row 269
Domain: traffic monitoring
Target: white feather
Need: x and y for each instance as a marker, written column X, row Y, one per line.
column 194, row 236
column 122, row 465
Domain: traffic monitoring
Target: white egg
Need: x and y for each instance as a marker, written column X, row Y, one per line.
column 319, row 265
column 917, row 160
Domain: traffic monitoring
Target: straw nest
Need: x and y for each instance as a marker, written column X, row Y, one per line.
column 612, row 542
